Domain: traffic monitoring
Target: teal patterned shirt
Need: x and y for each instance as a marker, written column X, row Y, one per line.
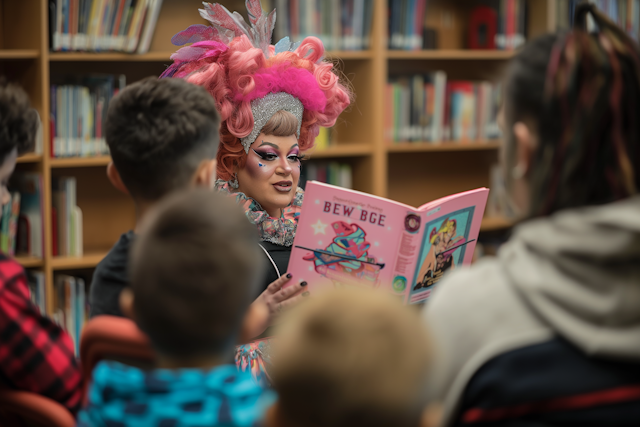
column 123, row 396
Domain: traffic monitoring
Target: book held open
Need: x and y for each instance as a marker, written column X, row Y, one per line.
column 349, row 238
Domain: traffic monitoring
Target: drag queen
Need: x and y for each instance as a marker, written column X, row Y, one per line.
column 272, row 101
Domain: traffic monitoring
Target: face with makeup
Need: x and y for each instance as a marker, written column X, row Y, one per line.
column 271, row 173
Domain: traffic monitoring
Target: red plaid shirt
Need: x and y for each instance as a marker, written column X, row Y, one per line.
column 35, row 354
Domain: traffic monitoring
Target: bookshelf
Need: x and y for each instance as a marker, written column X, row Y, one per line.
column 411, row 172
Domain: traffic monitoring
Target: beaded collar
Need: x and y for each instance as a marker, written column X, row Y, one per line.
column 279, row 231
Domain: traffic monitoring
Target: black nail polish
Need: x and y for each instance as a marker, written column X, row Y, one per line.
column 303, row 283
column 289, row 276
column 305, row 294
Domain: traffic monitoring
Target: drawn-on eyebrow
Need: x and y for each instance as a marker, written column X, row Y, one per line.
column 293, row 146
column 269, row 144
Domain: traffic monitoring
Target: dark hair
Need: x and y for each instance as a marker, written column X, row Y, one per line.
column 195, row 268
column 18, row 121
column 582, row 91
column 158, row 132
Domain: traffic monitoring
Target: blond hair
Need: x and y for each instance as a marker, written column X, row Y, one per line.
column 352, row 357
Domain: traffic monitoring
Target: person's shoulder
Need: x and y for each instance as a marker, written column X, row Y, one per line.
column 112, row 376
column 9, row 268
column 241, row 389
column 117, row 259
column 469, row 286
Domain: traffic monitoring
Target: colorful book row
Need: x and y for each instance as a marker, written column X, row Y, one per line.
column 70, row 306
column 334, row 173
column 429, row 108
column 626, row 13
column 103, row 25
column 340, row 24
column 78, row 112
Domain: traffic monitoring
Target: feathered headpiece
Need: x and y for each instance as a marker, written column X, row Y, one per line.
column 251, row 79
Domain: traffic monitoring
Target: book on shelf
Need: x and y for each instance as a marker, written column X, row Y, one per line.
column 430, row 108
column 348, row 238
column 323, row 139
column 70, row 306
column 35, row 279
column 340, row 24
column 103, row 25
column 78, row 113
column 8, row 224
column 30, row 230
column 626, row 13
column 334, row 173
column 66, row 219
column 406, row 24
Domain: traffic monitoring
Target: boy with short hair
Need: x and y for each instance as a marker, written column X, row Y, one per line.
column 162, row 136
column 195, row 268
column 36, row 355
column 352, row 358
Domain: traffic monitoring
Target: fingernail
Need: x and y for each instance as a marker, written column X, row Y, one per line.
column 303, row 283
column 305, row 294
column 289, row 276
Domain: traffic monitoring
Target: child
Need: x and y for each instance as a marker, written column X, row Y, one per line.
column 351, row 358
column 163, row 137
column 195, row 267
column 36, row 355
column 548, row 332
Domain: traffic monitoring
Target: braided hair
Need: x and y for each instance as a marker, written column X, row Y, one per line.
column 583, row 92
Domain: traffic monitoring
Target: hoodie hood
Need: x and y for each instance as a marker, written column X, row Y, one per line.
column 579, row 270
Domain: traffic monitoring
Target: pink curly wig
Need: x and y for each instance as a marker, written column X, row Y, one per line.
column 239, row 73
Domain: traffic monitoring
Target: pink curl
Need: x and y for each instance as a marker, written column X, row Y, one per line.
column 241, row 123
column 325, row 77
column 311, row 49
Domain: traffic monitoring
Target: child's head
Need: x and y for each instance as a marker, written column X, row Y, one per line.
column 163, row 136
column 351, row 358
column 18, row 127
column 570, row 116
column 195, row 268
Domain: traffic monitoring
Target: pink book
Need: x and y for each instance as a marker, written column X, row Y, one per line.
column 348, row 238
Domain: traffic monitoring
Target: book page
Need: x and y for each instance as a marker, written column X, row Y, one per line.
column 450, row 232
column 346, row 238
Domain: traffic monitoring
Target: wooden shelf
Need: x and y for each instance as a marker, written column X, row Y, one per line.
column 414, row 147
column 110, row 56
column 342, row 150
column 30, row 158
column 19, row 54
column 454, row 54
column 28, row 261
column 349, row 54
column 495, row 224
column 165, row 56
column 89, row 260
column 80, row 162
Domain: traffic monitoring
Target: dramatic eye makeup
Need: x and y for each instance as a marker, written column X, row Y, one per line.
column 271, row 153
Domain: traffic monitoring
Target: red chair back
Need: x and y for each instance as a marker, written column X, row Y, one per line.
column 23, row 408
column 112, row 338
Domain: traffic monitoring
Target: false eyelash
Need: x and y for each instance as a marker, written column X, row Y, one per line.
column 300, row 157
column 263, row 157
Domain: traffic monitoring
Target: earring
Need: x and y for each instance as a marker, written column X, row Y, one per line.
column 234, row 182
column 517, row 172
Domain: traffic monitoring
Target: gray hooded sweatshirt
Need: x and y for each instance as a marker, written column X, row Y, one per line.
column 574, row 275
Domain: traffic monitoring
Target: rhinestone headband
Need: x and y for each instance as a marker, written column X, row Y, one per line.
column 264, row 108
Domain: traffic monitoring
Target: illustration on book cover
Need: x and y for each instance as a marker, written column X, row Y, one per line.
column 443, row 248
column 347, row 259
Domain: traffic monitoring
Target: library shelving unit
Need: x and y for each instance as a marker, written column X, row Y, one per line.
column 413, row 172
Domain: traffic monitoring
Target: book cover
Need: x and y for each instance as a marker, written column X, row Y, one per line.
column 349, row 238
